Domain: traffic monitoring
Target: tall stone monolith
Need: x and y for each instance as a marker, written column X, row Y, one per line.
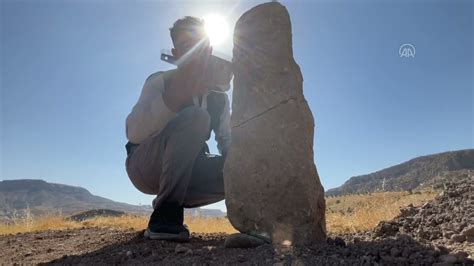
column 271, row 182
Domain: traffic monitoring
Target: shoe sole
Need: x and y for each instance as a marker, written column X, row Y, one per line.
column 181, row 237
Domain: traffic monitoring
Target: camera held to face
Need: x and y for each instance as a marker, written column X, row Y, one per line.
column 218, row 71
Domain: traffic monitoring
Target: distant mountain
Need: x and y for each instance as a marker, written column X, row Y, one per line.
column 41, row 197
column 38, row 197
column 204, row 212
column 409, row 175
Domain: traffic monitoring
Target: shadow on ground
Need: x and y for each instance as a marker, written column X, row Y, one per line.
column 209, row 249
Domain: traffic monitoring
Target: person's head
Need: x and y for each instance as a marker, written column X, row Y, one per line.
column 188, row 35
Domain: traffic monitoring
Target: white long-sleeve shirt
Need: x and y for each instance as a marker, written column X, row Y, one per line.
column 150, row 114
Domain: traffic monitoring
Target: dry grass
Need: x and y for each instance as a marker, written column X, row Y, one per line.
column 355, row 213
column 210, row 225
column 40, row 224
column 343, row 214
column 195, row 224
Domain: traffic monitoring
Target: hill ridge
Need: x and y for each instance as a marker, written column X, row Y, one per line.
column 408, row 175
column 20, row 197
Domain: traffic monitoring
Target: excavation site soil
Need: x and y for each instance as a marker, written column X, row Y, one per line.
column 440, row 232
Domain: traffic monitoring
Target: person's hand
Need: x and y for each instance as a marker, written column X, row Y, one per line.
column 219, row 74
column 189, row 80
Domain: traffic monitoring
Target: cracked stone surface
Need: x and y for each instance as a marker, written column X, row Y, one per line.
column 272, row 185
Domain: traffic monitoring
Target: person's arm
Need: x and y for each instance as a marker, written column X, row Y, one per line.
column 175, row 97
column 223, row 131
column 150, row 114
column 184, row 84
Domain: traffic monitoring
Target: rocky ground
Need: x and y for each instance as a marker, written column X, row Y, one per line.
column 448, row 220
column 440, row 233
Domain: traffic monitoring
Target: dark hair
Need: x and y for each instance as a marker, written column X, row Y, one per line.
column 192, row 25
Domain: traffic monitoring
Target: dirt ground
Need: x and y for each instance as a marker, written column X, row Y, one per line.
column 440, row 232
column 112, row 246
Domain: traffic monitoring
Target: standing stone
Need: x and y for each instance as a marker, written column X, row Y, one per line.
column 271, row 183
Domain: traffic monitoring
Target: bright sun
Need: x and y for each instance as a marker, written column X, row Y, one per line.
column 216, row 28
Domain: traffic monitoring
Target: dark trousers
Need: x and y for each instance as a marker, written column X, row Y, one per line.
column 174, row 166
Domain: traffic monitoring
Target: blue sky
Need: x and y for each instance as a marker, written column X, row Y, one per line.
column 72, row 70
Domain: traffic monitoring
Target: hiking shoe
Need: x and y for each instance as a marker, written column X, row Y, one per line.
column 166, row 223
column 178, row 235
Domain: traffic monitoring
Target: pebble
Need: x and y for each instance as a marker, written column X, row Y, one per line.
column 468, row 231
column 448, row 258
column 395, row 252
column 458, row 238
column 241, row 258
column 181, row 249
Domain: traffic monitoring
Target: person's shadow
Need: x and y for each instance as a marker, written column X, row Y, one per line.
column 205, row 249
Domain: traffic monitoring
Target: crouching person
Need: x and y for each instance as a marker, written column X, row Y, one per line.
column 167, row 129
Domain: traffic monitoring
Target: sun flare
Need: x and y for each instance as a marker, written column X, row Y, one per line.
column 216, row 28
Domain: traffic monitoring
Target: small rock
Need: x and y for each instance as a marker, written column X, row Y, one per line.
column 462, row 254
column 428, row 204
column 385, row 228
column 395, row 252
column 181, row 249
column 241, row 258
column 458, row 238
column 330, row 241
column 447, row 234
column 129, row 253
column 442, row 249
column 338, row 241
column 448, row 258
column 406, row 252
column 469, row 231
column 346, row 252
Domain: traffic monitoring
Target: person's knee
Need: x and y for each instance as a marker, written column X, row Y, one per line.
column 198, row 118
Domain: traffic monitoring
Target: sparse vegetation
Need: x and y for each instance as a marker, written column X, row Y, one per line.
column 350, row 213
column 355, row 213
column 196, row 224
